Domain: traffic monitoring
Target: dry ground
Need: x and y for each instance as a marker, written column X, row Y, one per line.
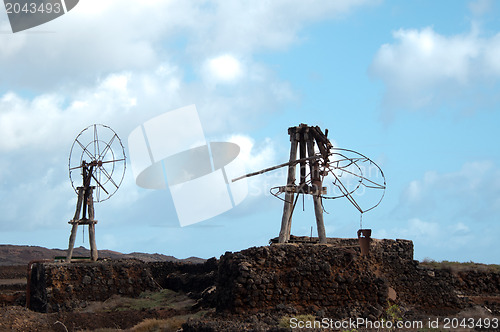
column 166, row 308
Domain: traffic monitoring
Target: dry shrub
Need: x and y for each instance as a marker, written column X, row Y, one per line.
column 164, row 325
column 115, row 301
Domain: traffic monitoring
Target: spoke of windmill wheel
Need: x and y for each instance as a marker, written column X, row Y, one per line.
column 108, row 146
column 108, row 176
column 98, row 188
column 99, row 184
column 338, row 186
column 342, row 168
column 355, row 162
column 348, row 195
column 96, row 143
column 85, row 150
column 98, row 193
column 375, row 185
column 351, row 160
column 378, row 186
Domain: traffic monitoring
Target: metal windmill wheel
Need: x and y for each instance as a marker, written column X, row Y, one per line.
column 97, row 157
column 100, row 147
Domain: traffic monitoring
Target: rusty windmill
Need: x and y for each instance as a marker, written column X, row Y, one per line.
column 318, row 162
column 97, row 157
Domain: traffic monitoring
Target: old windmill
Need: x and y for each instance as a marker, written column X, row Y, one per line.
column 320, row 161
column 97, row 159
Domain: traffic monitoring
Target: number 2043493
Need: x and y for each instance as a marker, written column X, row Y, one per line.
column 471, row 323
column 33, row 8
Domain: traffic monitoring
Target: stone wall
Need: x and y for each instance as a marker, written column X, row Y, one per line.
column 299, row 278
column 65, row 286
column 332, row 279
column 185, row 277
column 477, row 282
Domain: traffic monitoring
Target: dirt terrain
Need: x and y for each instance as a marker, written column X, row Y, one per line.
column 167, row 308
column 170, row 309
column 11, row 255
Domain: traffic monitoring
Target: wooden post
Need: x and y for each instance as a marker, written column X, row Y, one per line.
column 84, row 206
column 292, row 197
column 317, row 186
column 72, row 238
column 74, row 228
column 93, row 246
column 289, row 196
column 92, row 222
column 79, row 203
column 302, row 155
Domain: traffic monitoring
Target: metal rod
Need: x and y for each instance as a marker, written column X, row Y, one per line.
column 290, row 163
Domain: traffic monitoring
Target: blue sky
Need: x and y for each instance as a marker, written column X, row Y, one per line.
column 411, row 84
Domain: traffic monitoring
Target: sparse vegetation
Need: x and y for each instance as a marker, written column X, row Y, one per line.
column 153, row 325
column 164, row 299
column 393, row 314
column 166, row 325
column 459, row 266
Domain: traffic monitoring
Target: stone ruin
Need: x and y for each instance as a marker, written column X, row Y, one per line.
column 332, row 279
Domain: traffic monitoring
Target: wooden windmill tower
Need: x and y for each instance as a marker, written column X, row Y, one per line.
column 102, row 174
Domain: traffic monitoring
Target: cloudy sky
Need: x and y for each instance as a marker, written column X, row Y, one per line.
column 413, row 85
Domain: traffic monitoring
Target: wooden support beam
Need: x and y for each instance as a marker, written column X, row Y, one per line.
column 289, row 196
column 93, row 246
column 72, row 238
column 84, row 206
column 302, row 156
column 79, row 203
column 316, row 182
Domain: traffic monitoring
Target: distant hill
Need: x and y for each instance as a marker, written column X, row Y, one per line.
column 21, row 255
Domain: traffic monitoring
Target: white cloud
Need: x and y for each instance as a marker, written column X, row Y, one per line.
column 469, row 195
column 224, row 68
column 50, row 120
column 97, row 38
column 256, row 157
column 453, row 215
column 415, row 229
column 439, row 240
column 422, row 67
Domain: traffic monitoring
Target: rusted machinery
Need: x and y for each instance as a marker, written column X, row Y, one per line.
column 318, row 162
